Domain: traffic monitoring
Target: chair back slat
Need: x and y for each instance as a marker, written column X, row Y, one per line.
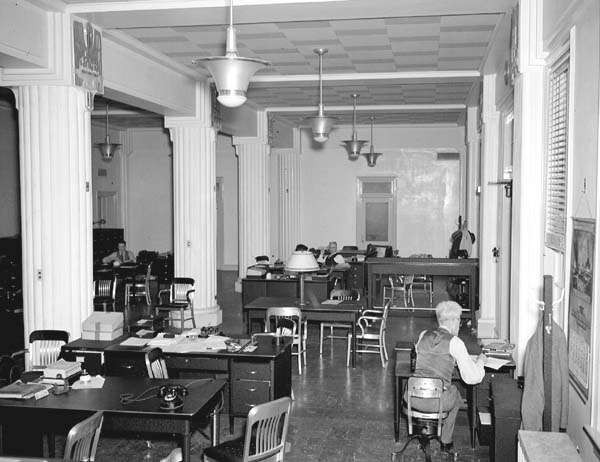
column 82, row 440
column 266, row 430
column 45, row 346
column 425, row 388
column 156, row 365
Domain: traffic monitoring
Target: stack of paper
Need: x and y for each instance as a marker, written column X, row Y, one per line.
column 62, row 369
column 20, row 390
column 96, row 381
column 161, row 341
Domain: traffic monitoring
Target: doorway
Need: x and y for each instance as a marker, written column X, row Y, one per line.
column 376, row 211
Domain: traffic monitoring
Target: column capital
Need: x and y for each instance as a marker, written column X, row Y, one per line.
column 262, row 132
column 203, row 116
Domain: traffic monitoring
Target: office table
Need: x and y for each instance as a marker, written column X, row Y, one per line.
column 402, row 371
column 346, row 312
column 253, row 288
column 254, row 377
column 61, row 412
column 467, row 267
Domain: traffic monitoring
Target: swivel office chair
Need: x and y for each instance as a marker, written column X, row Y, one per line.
column 423, row 426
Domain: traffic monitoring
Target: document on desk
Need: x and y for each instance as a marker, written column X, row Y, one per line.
column 493, row 363
column 331, row 302
column 96, row 381
column 199, row 345
column 161, row 341
column 134, row 342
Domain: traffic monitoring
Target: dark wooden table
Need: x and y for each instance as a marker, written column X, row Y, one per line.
column 467, row 267
column 403, row 371
column 56, row 413
column 347, row 312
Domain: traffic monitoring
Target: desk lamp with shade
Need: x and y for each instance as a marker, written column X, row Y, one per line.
column 302, row 262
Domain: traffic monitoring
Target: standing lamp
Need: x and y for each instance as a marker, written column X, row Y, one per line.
column 302, row 262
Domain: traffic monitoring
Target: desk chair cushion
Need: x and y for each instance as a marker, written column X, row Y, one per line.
column 229, row 451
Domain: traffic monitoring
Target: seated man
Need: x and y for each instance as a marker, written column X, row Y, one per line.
column 122, row 255
column 438, row 351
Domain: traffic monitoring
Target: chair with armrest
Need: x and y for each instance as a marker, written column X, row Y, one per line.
column 44, row 346
column 370, row 336
column 265, row 438
column 297, row 329
column 423, row 426
column 82, row 439
column 336, row 294
column 180, row 300
column 105, row 290
column 140, row 286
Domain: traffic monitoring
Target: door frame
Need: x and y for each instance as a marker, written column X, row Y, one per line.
column 379, row 197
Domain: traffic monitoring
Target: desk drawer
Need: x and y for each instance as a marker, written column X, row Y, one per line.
column 205, row 364
column 246, row 394
column 250, row 370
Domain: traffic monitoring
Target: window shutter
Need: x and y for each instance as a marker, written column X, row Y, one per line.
column 556, row 160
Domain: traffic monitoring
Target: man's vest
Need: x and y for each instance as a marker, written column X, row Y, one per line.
column 433, row 356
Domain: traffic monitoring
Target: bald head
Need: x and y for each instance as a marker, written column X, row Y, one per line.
column 448, row 315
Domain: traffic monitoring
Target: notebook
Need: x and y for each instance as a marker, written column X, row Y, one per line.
column 22, row 390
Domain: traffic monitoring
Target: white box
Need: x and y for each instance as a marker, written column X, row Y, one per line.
column 102, row 326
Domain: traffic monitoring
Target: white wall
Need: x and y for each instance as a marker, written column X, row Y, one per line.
column 428, row 190
column 583, row 167
column 227, row 168
column 10, row 205
column 149, row 190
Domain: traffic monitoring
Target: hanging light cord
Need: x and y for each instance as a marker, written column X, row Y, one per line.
column 106, row 110
column 320, row 83
column 231, row 13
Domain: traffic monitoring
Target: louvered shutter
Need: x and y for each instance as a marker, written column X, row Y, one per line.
column 556, row 159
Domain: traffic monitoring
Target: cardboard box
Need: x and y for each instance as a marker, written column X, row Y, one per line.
column 102, row 326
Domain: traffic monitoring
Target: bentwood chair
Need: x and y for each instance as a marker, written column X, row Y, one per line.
column 180, row 300
column 423, row 426
column 44, row 347
column 288, row 321
column 265, row 438
column 370, row 335
column 82, row 439
column 336, row 294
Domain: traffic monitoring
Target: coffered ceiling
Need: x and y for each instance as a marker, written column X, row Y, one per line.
column 411, row 61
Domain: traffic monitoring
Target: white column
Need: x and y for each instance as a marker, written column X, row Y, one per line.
column 528, row 179
column 195, row 206
column 56, row 207
column 288, row 162
column 488, row 266
column 254, row 206
column 472, row 206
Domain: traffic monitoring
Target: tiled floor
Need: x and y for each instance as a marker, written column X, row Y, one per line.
column 339, row 414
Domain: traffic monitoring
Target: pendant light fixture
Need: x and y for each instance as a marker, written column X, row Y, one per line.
column 320, row 124
column 231, row 73
column 107, row 149
column 354, row 145
column 372, row 155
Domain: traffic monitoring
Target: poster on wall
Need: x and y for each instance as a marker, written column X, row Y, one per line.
column 580, row 303
column 87, row 56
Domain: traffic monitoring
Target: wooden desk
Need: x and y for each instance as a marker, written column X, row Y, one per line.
column 346, row 312
column 254, row 377
column 253, row 288
column 61, row 412
column 402, row 371
column 468, row 267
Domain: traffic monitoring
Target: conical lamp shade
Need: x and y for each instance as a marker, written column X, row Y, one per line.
column 372, row 156
column 354, row 145
column 107, row 149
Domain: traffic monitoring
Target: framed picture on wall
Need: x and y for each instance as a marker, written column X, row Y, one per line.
column 581, row 303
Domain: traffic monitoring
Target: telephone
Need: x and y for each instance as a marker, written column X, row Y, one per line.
column 171, row 397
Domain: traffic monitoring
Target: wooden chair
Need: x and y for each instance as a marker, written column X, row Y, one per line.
column 180, row 300
column 82, row 439
column 105, row 291
column 298, row 329
column 423, row 426
column 400, row 285
column 265, row 438
column 336, row 294
column 372, row 326
column 140, row 287
column 44, row 347
column 156, row 365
